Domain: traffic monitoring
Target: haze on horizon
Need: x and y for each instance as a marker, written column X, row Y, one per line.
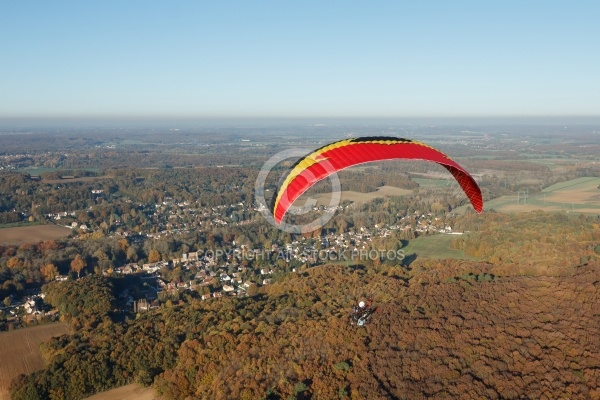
column 140, row 60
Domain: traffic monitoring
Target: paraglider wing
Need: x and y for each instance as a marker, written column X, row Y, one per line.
column 349, row 152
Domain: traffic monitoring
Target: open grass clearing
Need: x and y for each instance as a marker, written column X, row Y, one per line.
column 435, row 246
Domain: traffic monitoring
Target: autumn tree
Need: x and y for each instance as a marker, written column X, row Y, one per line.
column 252, row 290
column 13, row 262
column 123, row 244
column 77, row 264
column 49, row 271
column 153, row 256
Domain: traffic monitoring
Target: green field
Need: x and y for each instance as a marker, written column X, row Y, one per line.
column 552, row 162
column 435, row 246
column 434, row 183
column 585, row 184
column 39, row 170
column 579, row 195
column 43, row 170
column 18, row 224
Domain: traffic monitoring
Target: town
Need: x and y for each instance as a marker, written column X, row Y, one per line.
column 229, row 269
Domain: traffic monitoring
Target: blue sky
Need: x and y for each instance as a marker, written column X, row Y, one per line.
column 299, row 59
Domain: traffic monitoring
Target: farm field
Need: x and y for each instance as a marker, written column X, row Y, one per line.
column 70, row 180
column 435, row 182
column 20, row 353
column 323, row 199
column 20, row 224
column 128, row 392
column 585, row 184
column 27, row 234
column 42, row 170
column 579, row 195
column 435, row 246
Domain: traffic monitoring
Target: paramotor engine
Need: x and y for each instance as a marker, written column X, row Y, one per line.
column 362, row 313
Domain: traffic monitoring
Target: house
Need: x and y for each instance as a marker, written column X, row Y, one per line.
column 228, row 288
column 30, row 306
column 206, row 281
column 217, row 294
column 224, row 278
column 206, row 296
column 154, row 304
column 151, row 268
column 144, row 305
column 126, row 270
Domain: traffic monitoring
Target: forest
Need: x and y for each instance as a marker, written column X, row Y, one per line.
column 445, row 329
